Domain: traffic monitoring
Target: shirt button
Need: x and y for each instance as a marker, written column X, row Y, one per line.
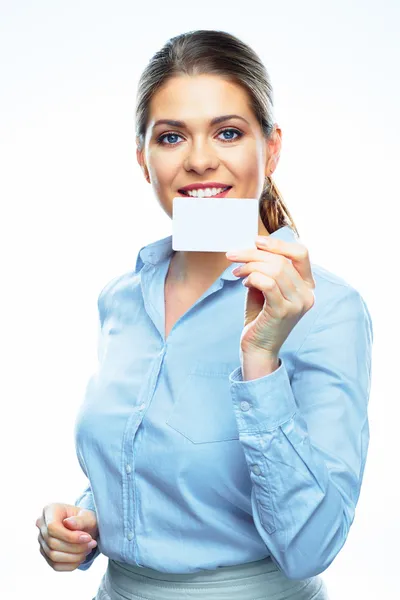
column 128, row 468
column 142, row 406
column 256, row 470
column 130, row 535
column 244, row 405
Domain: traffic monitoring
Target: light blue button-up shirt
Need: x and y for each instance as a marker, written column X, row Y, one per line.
column 189, row 466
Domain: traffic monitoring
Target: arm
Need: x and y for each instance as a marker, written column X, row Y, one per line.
column 85, row 500
column 305, row 440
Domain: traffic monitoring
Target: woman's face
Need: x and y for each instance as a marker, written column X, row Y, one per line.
column 232, row 153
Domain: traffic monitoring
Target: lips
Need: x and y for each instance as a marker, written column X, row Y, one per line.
column 221, row 195
column 202, row 186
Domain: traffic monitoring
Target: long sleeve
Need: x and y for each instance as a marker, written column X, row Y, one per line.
column 305, row 439
column 85, row 500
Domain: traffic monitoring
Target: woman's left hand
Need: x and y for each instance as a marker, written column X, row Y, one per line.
column 280, row 291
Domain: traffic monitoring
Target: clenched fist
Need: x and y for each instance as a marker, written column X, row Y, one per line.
column 64, row 545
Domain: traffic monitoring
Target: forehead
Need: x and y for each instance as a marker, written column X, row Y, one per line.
column 190, row 97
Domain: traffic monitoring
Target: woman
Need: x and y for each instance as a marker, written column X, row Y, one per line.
column 225, row 452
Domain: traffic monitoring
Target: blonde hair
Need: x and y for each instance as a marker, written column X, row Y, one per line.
column 217, row 52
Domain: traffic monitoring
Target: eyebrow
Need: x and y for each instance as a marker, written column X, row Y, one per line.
column 214, row 121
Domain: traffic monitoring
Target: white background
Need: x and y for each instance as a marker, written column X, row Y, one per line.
column 75, row 210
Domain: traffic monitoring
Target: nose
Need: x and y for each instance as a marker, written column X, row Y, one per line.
column 200, row 157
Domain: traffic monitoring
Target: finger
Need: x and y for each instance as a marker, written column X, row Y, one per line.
column 270, row 289
column 295, row 251
column 250, row 255
column 75, row 545
column 288, row 281
column 59, row 566
column 247, row 254
column 43, row 553
column 276, row 266
column 61, row 557
column 55, row 544
column 287, row 301
column 54, row 528
column 83, row 520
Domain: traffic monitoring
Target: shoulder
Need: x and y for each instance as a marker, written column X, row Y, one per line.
column 115, row 290
column 337, row 300
column 328, row 281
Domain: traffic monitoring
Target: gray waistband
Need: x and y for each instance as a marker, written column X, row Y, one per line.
column 259, row 579
column 266, row 565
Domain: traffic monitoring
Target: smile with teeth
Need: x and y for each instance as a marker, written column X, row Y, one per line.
column 205, row 192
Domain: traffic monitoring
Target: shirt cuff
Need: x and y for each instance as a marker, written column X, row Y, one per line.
column 262, row 404
column 86, row 501
column 89, row 560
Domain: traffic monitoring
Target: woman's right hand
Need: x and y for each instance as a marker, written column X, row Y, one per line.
column 59, row 539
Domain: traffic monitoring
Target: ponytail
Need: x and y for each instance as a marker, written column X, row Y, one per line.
column 273, row 211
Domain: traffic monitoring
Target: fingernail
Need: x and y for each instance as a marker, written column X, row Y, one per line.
column 85, row 538
column 71, row 521
column 92, row 544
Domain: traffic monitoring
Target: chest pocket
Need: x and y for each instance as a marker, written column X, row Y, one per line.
column 203, row 411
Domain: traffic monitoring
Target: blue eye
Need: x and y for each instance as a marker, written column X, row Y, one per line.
column 165, row 135
column 161, row 141
column 234, row 131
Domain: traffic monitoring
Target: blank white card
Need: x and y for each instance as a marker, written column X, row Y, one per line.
column 214, row 224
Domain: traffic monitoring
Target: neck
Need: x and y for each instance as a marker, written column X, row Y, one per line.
column 196, row 269
column 201, row 268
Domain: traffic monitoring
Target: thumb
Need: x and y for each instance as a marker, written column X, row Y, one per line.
column 84, row 520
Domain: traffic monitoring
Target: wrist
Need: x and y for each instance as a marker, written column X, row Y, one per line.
column 258, row 364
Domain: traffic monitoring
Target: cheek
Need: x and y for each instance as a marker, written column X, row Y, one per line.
column 250, row 171
column 162, row 169
column 247, row 161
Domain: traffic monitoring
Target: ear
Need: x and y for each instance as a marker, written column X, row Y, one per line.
column 141, row 161
column 274, row 149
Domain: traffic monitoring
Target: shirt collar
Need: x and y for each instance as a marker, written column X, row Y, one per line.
column 157, row 251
